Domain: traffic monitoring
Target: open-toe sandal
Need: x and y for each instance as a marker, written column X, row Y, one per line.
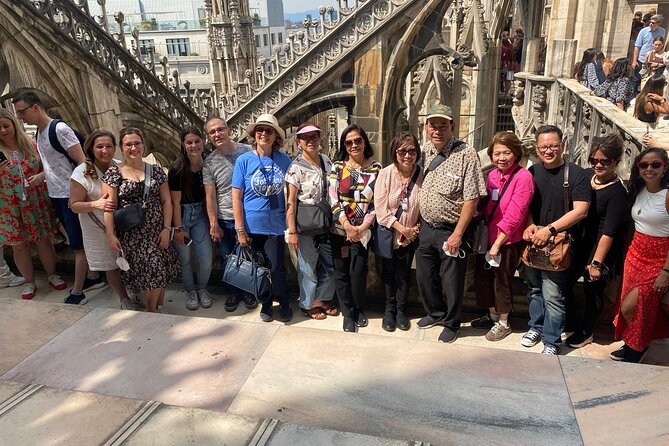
column 314, row 313
column 329, row 309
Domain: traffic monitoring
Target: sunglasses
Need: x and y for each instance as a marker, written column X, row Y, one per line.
column 411, row 152
column 351, row 142
column 643, row 165
column 267, row 130
column 309, row 138
column 605, row 162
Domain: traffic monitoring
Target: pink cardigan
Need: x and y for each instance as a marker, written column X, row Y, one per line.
column 388, row 194
column 512, row 211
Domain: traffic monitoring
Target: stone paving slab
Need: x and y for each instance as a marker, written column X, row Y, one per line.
column 409, row 389
column 9, row 388
column 194, row 362
column 617, row 403
column 57, row 417
column 25, row 326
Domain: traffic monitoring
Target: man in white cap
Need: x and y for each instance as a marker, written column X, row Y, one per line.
column 452, row 185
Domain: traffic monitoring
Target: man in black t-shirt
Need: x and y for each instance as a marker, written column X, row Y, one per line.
column 547, row 217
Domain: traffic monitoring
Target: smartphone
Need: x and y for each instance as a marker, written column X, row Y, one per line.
column 188, row 241
column 3, row 157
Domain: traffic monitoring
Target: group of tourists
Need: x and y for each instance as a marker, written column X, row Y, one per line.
column 423, row 206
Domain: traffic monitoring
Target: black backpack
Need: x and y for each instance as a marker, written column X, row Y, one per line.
column 58, row 147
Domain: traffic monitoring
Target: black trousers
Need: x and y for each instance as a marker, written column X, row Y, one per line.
column 272, row 248
column 350, row 265
column 396, row 275
column 441, row 278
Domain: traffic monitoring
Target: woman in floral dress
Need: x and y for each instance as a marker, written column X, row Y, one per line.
column 25, row 211
column 153, row 261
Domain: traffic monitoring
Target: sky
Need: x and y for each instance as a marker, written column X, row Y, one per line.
column 304, row 5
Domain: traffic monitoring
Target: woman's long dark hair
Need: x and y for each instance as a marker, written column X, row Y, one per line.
column 588, row 57
column 653, row 85
column 90, row 155
column 342, row 154
column 182, row 164
column 620, row 68
column 636, row 182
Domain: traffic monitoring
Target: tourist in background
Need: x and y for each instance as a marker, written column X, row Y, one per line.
column 643, row 45
column 259, row 206
column 654, row 59
column 26, row 215
column 617, row 87
column 189, row 218
column 587, row 70
column 7, row 277
column 649, row 103
column 307, row 180
column 601, row 246
column 397, row 187
column 153, row 261
column 644, row 304
column 351, row 191
column 510, row 189
column 87, row 200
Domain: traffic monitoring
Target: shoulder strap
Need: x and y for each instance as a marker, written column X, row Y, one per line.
column 565, row 187
column 324, row 192
column 57, row 146
column 410, row 186
column 501, row 193
column 97, row 221
column 147, row 179
column 440, row 158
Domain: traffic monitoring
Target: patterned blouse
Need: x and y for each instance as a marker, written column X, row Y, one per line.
column 620, row 90
column 352, row 193
column 390, row 193
column 307, row 179
column 589, row 78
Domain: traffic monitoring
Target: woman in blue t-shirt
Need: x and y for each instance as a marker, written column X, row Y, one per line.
column 189, row 218
column 259, row 206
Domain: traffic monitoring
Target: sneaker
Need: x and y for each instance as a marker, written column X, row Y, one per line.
column 191, row 300
column 126, row 304
column 93, row 284
column 428, row 321
column 531, row 338
column 13, row 281
column 28, row 291
column 579, row 339
column 448, row 335
column 250, row 302
column 483, row 322
column 231, row 303
column 619, row 354
column 550, row 350
column 57, row 282
column 498, row 332
column 76, row 299
column 266, row 312
column 205, row 298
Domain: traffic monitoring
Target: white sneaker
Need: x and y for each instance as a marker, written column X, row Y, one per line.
column 126, row 304
column 191, row 300
column 13, row 281
column 28, row 291
column 204, row 297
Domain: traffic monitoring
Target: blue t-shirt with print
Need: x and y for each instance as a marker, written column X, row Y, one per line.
column 261, row 178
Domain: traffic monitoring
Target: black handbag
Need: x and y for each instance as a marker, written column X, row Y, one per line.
column 315, row 219
column 243, row 271
column 132, row 216
column 382, row 237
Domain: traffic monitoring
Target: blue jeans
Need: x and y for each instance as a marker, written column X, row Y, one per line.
column 194, row 220
column 224, row 247
column 315, row 269
column 546, row 294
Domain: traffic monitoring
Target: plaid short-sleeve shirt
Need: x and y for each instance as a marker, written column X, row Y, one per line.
column 456, row 180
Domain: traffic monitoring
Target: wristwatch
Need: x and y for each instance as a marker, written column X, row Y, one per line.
column 596, row 263
column 552, row 229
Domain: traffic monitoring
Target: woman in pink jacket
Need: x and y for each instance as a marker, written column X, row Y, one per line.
column 510, row 190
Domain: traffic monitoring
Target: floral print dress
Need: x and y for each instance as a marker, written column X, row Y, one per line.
column 26, row 214
column 150, row 266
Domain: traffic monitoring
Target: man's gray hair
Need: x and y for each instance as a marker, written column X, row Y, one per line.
column 659, row 18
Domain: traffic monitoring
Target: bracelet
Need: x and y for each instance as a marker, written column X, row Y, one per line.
column 169, row 228
column 291, row 233
column 241, row 229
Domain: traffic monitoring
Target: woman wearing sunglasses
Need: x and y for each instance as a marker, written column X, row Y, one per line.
column 352, row 197
column 601, row 245
column 259, row 206
column 396, row 188
column 646, row 273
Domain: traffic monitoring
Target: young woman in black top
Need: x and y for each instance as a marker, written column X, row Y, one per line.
column 601, row 245
column 190, row 218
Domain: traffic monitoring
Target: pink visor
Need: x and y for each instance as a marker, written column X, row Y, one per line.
column 308, row 129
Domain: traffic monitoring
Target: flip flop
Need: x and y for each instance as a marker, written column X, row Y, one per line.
column 314, row 313
column 329, row 309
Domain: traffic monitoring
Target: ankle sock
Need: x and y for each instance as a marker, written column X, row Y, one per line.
column 504, row 324
column 494, row 317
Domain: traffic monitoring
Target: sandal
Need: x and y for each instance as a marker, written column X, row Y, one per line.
column 329, row 309
column 314, row 313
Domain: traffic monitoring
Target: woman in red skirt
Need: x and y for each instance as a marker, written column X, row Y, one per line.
column 646, row 275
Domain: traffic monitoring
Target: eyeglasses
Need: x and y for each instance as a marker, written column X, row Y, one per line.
column 308, row 138
column 439, row 127
column 411, row 152
column 551, row 147
column 267, row 130
column 643, row 165
column 131, row 144
column 603, row 161
column 355, row 141
column 213, row 132
column 21, row 110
